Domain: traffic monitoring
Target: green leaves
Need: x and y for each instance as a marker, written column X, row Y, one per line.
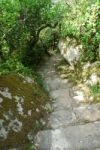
column 82, row 22
column 21, row 22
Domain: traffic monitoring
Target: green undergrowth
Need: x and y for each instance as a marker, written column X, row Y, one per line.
column 95, row 91
column 14, row 65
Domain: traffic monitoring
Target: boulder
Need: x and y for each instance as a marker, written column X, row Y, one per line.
column 91, row 73
column 70, row 50
column 20, row 98
column 93, row 80
column 82, row 94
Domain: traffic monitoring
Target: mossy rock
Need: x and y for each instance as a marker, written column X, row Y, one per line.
column 22, row 105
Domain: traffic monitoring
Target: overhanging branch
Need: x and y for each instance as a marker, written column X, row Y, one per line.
column 45, row 26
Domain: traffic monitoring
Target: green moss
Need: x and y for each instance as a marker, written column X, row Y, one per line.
column 35, row 99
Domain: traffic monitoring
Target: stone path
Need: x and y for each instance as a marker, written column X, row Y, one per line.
column 71, row 126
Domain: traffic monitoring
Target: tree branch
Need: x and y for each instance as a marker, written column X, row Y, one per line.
column 45, row 26
column 35, row 39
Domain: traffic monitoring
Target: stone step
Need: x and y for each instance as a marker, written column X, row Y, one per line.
column 80, row 137
column 63, row 114
column 89, row 112
column 55, row 84
column 61, row 98
column 61, row 118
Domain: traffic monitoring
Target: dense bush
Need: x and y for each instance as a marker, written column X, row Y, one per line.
column 82, row 22
column 21, row 22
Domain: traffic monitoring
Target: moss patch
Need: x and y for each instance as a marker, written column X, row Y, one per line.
column 22, row 100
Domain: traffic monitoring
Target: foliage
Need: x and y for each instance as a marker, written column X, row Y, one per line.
column 14, row 65
column 22, row 21
column 95, row 91
column 82, row 22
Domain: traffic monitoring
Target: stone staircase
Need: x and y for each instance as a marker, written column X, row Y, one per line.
column 69, row 127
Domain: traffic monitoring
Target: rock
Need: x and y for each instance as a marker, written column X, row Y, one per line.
column 70, row 51
column 67, row 130
column 15, row 125
column 30, row 136
column 20, row 108
column 28, row 80
column 72, row 54
column 82, row 94
column 61, row 118
column 94, row 79
column 88, row 113
column 1, row 122
column 37, row 110
column 1, row 99
column 78, row 137
column 86, row 66
column 91, row 73
column 5, row 93
column 3, row 131
column 29, row 112
column 17, row 101
column 43, row 122
column 48, row 107
column 8, row 115
column 55, row 84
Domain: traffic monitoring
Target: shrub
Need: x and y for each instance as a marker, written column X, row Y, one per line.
column 82, row 22
column 95, row 91
column 14, row 65
column 21, row 23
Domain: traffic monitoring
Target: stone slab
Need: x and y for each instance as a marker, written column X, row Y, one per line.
column 61, row 99
column 55, row 84
column 78, row 137
column 88, row 113
column 61, row 118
